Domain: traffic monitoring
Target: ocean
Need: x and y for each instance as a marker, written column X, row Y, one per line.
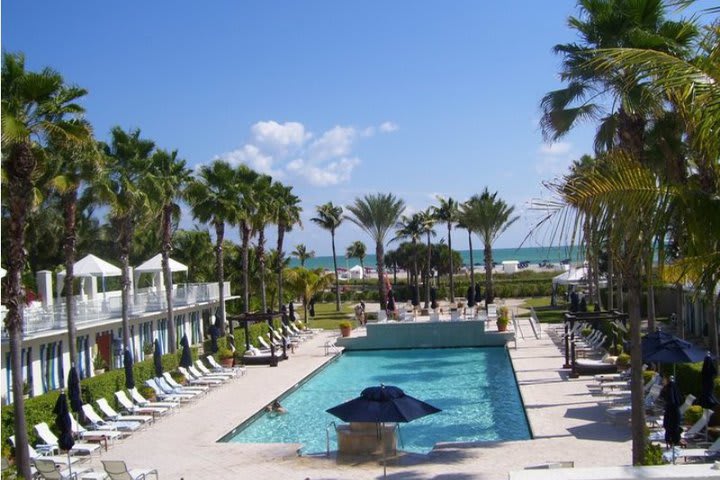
column 534, row 255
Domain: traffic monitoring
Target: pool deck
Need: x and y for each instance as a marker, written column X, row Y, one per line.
column 567, row 422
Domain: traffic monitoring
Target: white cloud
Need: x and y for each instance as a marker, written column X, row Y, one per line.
column 252, row 156
column 388, row 127
column 279, row 137
column 557, row 148
column 336, row 142
column 322, row 176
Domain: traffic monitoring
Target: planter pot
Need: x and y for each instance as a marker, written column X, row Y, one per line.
column 227, row 362
column 502, row 327
column 345, row 331
column 98, row 371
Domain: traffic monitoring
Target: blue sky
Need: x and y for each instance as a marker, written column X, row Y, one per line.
column 338, row 99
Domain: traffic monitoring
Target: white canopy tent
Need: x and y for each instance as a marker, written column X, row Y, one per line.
column 154, row 266
column 89, row 266
column 575, row 276
column 356, row 272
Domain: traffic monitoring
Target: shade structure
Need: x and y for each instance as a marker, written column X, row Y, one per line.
column 433, row 298
column 186, row 358
column 653, row 341
column 707, row 376
column 155, row 265
column 63, row 423
column 157, row 359
column 478, row 293
column 391, row 301
column 675, row 350
column 92, row 266
column 128, row 365
column 470, row 296
column 381, row 404
column 74, row 391
column 671, row 415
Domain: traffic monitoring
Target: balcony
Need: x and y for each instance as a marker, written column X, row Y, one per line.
column 107, row 306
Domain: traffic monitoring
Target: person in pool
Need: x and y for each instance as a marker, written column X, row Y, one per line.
column 275, row 407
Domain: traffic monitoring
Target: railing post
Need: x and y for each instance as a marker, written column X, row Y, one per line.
column 567, row 345
column 573, row 372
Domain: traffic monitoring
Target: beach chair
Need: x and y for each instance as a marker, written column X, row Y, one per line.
column 144, row 402
column 101, row 436
column 51, row 442
column 122, row 422
column 48, row 470
column 181, row 391
column 130, row 407
column 184, row 388
column 98, row 423
column 117, row 470
column 382, row 316
column 165, row 393
column 200, row 367
column 60, row 460
column 695, row 453
column 219, row 368
column 193, row 376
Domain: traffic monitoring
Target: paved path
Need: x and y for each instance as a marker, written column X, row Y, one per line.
column 567, row 423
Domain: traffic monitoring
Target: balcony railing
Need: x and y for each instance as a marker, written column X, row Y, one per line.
column 107, row 306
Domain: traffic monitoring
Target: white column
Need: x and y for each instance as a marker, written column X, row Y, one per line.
column 44, row 284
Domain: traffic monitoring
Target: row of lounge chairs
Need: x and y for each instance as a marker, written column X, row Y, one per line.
column 274, row 343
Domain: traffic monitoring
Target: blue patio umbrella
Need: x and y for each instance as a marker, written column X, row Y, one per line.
column 311, row 307
column 74, row 391
column 391, row 301
column 415, row 296
column 186, row 357
column 382, row 404
column 675, row 350
column 478, row 293
column 213, row 339
column 671, row 416
column 129, row 375
column 63, row 423
column 707, row 375
column 652, row 342
column 157, row 359
column 291, row 312
column 433, row 298
column 470, row 296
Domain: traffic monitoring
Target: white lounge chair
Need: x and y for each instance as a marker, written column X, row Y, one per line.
column 187, row 394
column 101, row 436
column 99, row 423
column 130, row 407
column 712, row 451
column 200, row 366
column 60, row 460
column 196, row 378
column 122, row 422
column 48, row 470
column 165, row 393
column 691, row 433
column 117, row 470
column 144, row 402
column 219, row 368
column 191, row 388
column 47, row 436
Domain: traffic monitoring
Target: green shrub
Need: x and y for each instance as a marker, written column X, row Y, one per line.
column 344, row 325
column 693, row 414
column 648, row 375
column 653, row 454
column 623, row 360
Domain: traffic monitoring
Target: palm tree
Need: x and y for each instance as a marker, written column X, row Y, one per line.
column 246, row 178
column 357, row 250
column 329, row 218
column 427, row 220
column 306, row 283
column 376, row 214
column 302, row 253
column 467, row 220
column 490, row 216
column 167, row 177
column 35, row 106
column 287, row 214
column 447, row 212
column 213, row 198
column 262, row 215
column 127, row 159
column 412, row 228
column 194, row 249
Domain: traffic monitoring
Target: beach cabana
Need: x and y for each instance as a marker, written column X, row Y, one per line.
column 356, row 272
column 89, row 266
column 154, row 266
column 574, row 276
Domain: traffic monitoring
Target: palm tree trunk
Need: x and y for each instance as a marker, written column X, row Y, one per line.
column 636, row 379
column 381, row 275
column 19, row 171
column 337, row 280
column 280, row 239
column 452, row 284
column 220, row 272
column 589, row 259
column 472, row 264
column 125, row 242
column 680, row 307
column 712, row 320
column 69, row 201
column 417, row 273
column 245, row 235
column 487, row 252
column 611, row 281
column 166, row 248
column 650, row 294
column 429, row 269
column 261, row 262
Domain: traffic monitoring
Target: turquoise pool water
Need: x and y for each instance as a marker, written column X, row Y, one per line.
column 474, row 387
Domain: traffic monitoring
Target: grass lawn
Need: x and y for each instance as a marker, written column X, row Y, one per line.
column 327, row 318
column 545, row 316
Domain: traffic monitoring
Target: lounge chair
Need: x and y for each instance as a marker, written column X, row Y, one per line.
column 144, row 402
column 168, row 395
column 256, row 356
column 101, row 436
column 219, row 368
column 130, row 407
column 51, row 441
column 196, row 378
column 117, row 470
column 180, row 391
column 712, row 451
column 60, row 460
column 692, row 433
column 98, row 423
column 122, row 422
column 191, row 388
column 223, row 377
column 200, row 366
column 48, row 470
column 264, row 344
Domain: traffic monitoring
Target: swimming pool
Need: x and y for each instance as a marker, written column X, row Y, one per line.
column 474, row 387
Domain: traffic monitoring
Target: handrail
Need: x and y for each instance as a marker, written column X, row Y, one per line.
column 327, row 437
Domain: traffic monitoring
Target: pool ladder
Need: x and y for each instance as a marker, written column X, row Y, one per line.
column 327, row 436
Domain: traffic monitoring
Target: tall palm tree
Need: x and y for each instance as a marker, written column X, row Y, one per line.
column 262, row 216
column 194, row 248
column 212, row 195
column 127, row 160
column 306, row 283
column 491, row 216
column 357, row 250
column 447, row 211
column 411, row 228
column 287, row 215
column 246, row 178
column 329, row 217
column 376, row 214
column 427, row 220
column 467, row 220
column 35, row 105
column 302, row 253
column 167, row 177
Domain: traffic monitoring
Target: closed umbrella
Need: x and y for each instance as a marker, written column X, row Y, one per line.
column 380, row 405
column 74, row 391
column 478, row 293
column 186, row 357
column 707, row 375
column 470, row 296
column 415, row 296
column 671, row 415
column 213, row 339
column 64, row 425
column 291, row 312
column 157, row 359
column 433, row 298
column 128, row 364
column 311, row 307
column 391, row 301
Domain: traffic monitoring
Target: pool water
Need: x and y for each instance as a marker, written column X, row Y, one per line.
column 474, row 387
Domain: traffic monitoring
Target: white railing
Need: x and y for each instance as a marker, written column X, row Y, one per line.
column 107, row 306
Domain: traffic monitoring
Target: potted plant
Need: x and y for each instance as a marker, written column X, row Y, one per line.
column 226, row 357
column 345, row 328
column 178, row 377
column 147, row 392
column 99, row 364
column 503, row 318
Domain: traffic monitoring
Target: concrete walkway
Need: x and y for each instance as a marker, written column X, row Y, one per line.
column 567, row 423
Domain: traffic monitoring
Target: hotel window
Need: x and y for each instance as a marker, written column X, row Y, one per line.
column 162, row 335
column 26, row 361
column 195, row 327
column 83, row 356
column 51, row 367
column 179, row 330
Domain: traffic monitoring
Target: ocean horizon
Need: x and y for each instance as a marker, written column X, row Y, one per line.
column 534, row 255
